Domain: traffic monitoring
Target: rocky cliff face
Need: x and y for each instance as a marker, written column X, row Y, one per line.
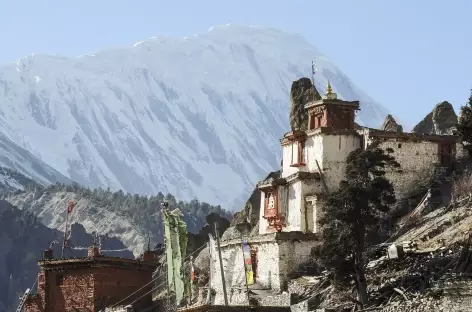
column 22, row 241
column 390, row 124
column 442, row 120
column 250, row 214
column 302, row 92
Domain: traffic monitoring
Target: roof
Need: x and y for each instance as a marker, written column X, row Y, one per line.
column 101, row 261
column 352, row 104
column 410, row 135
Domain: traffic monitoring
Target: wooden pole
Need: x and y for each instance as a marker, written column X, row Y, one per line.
column 221, row 264
column 210, row 275
column 245, row 271
column 65, row 233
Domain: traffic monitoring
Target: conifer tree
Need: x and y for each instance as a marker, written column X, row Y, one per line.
column 464, row 126
column 352, row 212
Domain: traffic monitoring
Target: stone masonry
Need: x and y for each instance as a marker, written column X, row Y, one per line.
column 89, row 284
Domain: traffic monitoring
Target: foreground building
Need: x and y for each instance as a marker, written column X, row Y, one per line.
column 91, row 283
column 313, row 165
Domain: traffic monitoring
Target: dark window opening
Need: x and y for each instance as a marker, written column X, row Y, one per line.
column 399, row 145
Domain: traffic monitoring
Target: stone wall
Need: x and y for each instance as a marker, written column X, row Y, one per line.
column 416, row 160
column 87, row 288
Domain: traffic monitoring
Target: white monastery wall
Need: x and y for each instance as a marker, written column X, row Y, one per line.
column 267, row 274
column 289, row 154
column 293, row 217
column 263, row 224
column 336, row 149
column 314, row 152
column 311, row 208
column 283, row 195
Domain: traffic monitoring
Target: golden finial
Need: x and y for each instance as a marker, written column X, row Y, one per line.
column 329, row 94
column 329, row 90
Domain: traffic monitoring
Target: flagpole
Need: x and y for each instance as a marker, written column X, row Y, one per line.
column 313, row 72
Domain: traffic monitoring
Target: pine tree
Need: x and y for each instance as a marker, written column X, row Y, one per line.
column 464, row 126
column 351, row 213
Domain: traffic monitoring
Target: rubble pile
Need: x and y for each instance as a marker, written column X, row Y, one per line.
column 429, row 258
column 409, row 276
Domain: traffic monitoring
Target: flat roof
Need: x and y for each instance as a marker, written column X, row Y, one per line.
column 100, row 261
column 352, row 104
column 409, row 135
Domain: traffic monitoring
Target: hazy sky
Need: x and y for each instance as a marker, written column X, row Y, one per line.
column 406, row 54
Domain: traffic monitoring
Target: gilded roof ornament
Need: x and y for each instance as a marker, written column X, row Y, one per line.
column 329, row 94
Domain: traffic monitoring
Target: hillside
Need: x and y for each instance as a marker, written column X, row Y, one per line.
column 197, row 117
column 130, row 218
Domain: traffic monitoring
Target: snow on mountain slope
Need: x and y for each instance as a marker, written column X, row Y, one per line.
column 197, row 117
column 18, row 166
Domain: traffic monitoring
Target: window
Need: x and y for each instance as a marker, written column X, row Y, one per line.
column 399, row 145
column 312, row 124
column 270, row 203
column 299, row 161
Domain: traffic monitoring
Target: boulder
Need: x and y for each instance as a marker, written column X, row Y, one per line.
column 390, row 124
column 442, row 120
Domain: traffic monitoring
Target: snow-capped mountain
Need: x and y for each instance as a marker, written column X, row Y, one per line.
column 18, row 166
column 199, row 117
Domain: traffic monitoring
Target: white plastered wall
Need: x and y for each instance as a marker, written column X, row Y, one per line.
column 310, row 211
column 268, row 273
column 293, row 216
column 289, row 155
column 336, row 148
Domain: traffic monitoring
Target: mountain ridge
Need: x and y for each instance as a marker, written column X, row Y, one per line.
column 198, row 117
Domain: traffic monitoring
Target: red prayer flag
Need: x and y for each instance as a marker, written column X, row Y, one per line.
column 70, row 207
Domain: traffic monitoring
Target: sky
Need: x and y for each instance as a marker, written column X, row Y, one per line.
column 407, row 54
